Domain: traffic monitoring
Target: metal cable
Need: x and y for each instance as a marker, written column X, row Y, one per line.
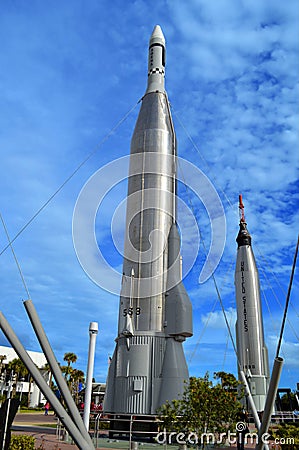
column 265, row 263
column 279, row 303
column 287, row 300
column 230, row 204
column 202, row 157
column 227, row 341
column 97, row 147
column 202, row 332
column 15, row 257
column 213, row 276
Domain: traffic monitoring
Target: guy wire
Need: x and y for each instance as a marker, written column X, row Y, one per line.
column 15, row 256
column 71, row 176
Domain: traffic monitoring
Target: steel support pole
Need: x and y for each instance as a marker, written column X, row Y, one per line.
column 93, row 331
column 270, row 400
column 55, row 369
column 7, row 410
column 41, row 383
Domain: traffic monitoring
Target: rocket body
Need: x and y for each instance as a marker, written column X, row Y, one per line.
column 148, row 366
column 251, row 348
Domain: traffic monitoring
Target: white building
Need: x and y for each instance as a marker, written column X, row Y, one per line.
column 39, row 359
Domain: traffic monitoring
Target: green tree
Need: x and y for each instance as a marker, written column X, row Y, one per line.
column 203, row 409
column 18, row 367
column 288, row 402
column 73, row 376
column 2, row 383
column 47, row 374
column 77, row 377
column 19, row 370
column 228, row 381
column 2, row 358
column 69, row 358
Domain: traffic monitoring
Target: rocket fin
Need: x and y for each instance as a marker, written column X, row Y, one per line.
column 178, row 312
column 178, row 308
column 109, row 394
column 174, row 370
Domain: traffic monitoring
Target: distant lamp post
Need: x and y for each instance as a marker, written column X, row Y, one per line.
column 93, row 331
column 21, row 385
column 3, row 381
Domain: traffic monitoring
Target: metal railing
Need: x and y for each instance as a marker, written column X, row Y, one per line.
column 134, row 429
column 131, row 427
column 284, row 416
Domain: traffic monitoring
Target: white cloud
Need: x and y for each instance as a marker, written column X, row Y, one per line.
column 216, row 319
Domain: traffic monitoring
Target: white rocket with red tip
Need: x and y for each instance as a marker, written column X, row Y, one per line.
column 251, row 348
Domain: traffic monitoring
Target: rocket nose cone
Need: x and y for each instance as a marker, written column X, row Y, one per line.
column 156, row 62
column 157, row 34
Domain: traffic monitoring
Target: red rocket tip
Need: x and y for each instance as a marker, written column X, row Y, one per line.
column 243, row 237
column 240, row 201
column 241, row 209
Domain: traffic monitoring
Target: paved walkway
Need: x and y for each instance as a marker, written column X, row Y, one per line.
column 43, row 429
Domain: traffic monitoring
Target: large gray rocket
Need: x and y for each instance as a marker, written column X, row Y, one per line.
column 148, row 366
column 251, row 348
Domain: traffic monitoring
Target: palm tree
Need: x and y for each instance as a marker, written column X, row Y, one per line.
column 18, row 367
column 69, row 358
column 47, row 374
column 77, row 377
column 2, row 358
column 29, row 390
column 19, row 370
column 2, row 380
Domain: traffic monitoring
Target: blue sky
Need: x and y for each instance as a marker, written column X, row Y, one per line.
column 70, row 71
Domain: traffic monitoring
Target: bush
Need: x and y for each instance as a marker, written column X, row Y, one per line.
column 22, row 442
column 288, row 434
